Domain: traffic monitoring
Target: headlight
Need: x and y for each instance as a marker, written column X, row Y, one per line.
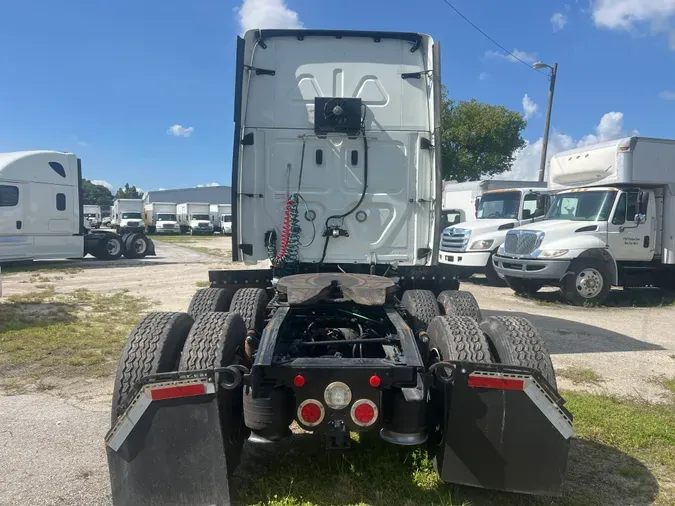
column 552, row 253
column 337, row 395
column 502, row 251
column 482, row 244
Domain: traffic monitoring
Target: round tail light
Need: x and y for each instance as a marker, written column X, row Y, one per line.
column 311, row 412
column 364, row 412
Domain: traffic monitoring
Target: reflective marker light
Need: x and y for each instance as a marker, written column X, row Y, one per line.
column 337, row 395
column 496, row 382
column 299, row 380
column 364, row 412
column 310, row 412
column 375, row 381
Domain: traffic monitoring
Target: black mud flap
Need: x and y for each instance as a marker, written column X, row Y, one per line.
column 151, row 248
column 506, row 429
column 167, row 448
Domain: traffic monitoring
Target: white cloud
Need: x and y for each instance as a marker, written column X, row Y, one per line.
column 102, row 182
column 558, row 21
column 266, row 14
column 526, row 164
column 483, row 76
column 630, row 14
column 667, row 95
column 207, row 185
column 180, row 131
column 529, row 107
column 514, row 56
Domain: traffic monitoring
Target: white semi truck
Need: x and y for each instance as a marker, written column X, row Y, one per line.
column 127, row 216
column 42, row 216
column 194, row 218
column 221, row 218
column 92, row 213
column 487, row 211
column 161, row 218
column 611, row 223
column 336, row 179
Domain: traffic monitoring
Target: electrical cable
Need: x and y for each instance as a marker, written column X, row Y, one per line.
column 491, row 39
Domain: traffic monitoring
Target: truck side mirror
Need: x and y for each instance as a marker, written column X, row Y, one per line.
column 641, row 208
column 476, row 205
column 541, row 201
column 527, row 214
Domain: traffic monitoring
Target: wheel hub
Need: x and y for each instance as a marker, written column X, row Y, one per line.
column 589, row 283
column 113, row 247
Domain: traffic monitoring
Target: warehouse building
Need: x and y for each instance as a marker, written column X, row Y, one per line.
column 208, row 194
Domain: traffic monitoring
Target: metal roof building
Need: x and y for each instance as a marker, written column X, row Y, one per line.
column 208, row 194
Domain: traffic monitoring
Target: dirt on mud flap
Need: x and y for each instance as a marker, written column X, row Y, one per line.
column 505, row 429
column 168, row 446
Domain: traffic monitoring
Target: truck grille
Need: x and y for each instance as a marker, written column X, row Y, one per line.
column 522, row 242
column 455, row 239
column 203, row 225
column 133, row 223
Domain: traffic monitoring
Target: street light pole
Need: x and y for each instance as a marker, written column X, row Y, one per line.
column 544, row 148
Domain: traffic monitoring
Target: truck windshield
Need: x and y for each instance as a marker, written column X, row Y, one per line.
column 131, row 216
column 226, row 217
column 582, row 206
column 200, row 217
column 166, row 217
column 90, row 215
column 499, row 205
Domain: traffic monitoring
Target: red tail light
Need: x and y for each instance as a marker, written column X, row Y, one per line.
column 311, row 412
column 364, row 412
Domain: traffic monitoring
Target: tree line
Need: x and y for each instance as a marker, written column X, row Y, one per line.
column 478, row 141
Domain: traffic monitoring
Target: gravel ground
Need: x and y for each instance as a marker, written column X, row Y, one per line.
column 52, row 444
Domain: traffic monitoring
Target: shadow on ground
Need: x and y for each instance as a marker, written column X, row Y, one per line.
column 567, row 336
column 301, row 472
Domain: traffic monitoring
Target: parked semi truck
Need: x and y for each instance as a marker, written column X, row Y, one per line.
column 498, row 208
column 355, row 327
column 127, row 216
column 221, row 218
column 612, row 222
column 194, row 218
column 92, row 213
column 161, row 218
column 42, row 215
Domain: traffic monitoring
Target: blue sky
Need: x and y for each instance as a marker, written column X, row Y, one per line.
column 109, row 80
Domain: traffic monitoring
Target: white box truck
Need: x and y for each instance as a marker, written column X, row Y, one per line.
column 127, row 215
column 161, row 218
column 221, row 218
column 92, row 213
column 42, row 216
column 193, row 218
column 611, row 223
column 484, row 211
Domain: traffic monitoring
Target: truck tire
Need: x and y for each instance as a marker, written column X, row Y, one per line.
column 586, row 282
column 422, row 307
column 523, row 286
column 154, row 346
column 457, row 338
column 209, row 300
column 110, row 248
column 460, row 303
column 515, row 341
column 250, row 303
column 135, row 245
column 217, row 340
column 491, row 275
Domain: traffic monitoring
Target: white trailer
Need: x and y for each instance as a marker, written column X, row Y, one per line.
column 480, row 213
column 221, row 218
column 611, row 223
column 42, row 217
column 161, row 218
column 92, row 213
column 127, row 215
column 193, row 218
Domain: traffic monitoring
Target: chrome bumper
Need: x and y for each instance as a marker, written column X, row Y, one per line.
column 530, row 268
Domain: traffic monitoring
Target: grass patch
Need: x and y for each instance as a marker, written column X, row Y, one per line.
column 580, row 375
column 203, row 284
column 180, row 239
column 42, row 333
column 41, row 270
column 669, row 384
column 620, row 444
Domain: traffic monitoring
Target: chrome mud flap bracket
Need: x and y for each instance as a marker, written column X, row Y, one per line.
column 168, row 448
column 506, row 429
